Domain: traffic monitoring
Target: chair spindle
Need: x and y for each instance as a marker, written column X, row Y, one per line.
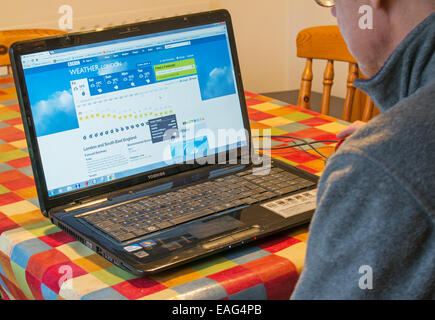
column 328, row 81
column 304, row 100
column 350, row 94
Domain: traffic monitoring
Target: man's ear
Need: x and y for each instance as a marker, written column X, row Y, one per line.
column 377, row 4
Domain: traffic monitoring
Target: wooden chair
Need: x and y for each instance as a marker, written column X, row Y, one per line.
column 10, row 36
column 327, row 43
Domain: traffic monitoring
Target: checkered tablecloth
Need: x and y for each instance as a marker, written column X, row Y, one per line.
column 39, row 261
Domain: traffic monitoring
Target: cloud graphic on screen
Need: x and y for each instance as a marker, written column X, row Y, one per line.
column 56, row 114
column 220, row 83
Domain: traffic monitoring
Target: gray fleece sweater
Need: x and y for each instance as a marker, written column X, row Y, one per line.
column 373, row 233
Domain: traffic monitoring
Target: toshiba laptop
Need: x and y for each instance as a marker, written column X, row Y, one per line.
column 123, row 125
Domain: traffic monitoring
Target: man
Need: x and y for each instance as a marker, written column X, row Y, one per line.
column 373, row 235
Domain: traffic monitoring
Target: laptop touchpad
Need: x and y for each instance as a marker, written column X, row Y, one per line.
column 213, row 227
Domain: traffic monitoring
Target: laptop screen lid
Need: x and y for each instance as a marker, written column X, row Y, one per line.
column 102, row 115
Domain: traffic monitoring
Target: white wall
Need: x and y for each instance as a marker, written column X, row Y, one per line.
column 90, row 14
column 265, row 30
column 266, row 37
column 262, row 37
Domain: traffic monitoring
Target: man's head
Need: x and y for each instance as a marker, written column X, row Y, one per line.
column 392, row 21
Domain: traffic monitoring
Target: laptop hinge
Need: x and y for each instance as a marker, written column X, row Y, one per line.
column 86, row 204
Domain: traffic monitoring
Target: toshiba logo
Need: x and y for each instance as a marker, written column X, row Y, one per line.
column 156, row 175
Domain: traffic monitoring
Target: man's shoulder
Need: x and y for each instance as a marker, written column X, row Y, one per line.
column 416, row 109
column 410, row 120
column 400, row 141
column 374, row 204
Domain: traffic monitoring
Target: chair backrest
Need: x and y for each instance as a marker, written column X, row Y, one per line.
column 327, row 43
column 8, row 37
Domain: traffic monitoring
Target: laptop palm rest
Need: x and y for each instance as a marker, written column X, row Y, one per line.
column 216, row 226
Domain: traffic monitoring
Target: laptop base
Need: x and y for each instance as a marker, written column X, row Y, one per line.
column 199, row 238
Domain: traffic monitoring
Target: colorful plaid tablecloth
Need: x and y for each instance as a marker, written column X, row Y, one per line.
column 39, row 261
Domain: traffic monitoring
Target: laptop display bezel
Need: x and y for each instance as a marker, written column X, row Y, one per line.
column 113, row 33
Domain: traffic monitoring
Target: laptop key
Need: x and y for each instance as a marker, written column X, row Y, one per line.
column 288, row 189
column 249, row 201
column 192, row 216
column 307, row 183
column 111, row 228
column 151, row 229
column 103, row 224
column 164, row 224
column 218, row 208
column 228, row 205
column 125, row 236
column 130, row 229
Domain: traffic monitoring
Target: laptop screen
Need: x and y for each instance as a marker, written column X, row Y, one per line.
column 115, row 109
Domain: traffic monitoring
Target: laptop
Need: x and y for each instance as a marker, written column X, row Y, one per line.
column 140, row 143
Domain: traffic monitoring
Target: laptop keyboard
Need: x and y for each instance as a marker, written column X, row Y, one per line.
column 151, row 214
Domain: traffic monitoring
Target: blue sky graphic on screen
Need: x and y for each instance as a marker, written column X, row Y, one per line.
column 50, row 89
column 220, row 83
column 56, row 114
